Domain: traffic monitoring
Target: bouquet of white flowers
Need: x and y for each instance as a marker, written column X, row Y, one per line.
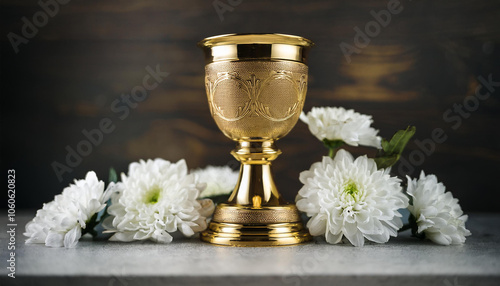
column 358, row 198
column 355, row 198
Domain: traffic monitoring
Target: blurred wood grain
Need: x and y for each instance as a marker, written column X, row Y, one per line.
column 66, row 78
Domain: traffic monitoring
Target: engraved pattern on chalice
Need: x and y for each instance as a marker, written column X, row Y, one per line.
column 253, row 89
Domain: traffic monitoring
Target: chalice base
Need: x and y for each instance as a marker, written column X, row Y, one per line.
column 237, row 225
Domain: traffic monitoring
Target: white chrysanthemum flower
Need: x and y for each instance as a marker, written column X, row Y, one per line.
column 156, row 198
column 351, row 198
column 60, row 222
column 219, row 180
column 337, row 123
column 438, row 215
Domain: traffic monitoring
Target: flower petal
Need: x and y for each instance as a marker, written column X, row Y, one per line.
column 124, row 236
column 54, row 239
column 354, row 235
column 71, row 237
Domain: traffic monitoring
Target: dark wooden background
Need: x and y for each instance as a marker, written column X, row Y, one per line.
column 65, row 78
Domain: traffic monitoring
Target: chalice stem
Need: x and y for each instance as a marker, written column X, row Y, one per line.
column 256, row 185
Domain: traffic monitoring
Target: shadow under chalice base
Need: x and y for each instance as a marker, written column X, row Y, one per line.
column 234, row 225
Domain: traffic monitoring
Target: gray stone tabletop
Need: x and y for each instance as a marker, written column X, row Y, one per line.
column 402, row 261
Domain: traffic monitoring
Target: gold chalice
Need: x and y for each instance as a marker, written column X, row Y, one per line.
column 256, row 86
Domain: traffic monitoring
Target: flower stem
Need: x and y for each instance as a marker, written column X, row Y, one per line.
column 331, row 152
column 332, row 146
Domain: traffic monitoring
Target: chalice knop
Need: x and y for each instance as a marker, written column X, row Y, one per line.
column 256, row 86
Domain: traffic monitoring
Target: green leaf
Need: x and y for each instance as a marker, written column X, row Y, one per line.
column 398, row 141
column 90, row 225
column 392, row 150
column 387, row 161
column 113, row 177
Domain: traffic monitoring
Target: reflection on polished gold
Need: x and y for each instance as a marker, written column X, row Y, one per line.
column 256, row 86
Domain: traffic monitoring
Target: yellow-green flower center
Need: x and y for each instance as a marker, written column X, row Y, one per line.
column 351, row 189
column 153, row 195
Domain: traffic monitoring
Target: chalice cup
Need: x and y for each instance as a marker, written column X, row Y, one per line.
column 256, row 86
